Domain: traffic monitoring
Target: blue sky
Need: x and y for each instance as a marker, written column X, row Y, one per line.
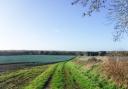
column 54, row 25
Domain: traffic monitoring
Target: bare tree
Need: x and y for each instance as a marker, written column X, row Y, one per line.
column 117, row 9
column 90, row 5
column 119, row 13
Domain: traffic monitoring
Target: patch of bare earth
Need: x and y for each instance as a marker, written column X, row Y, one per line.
column 15, row 66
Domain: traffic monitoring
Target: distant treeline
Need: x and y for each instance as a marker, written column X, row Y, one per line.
column 26, row 52
column 118, row 53
column 87, row 53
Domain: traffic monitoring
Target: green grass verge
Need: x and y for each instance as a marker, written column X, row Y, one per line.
column 88, row 79
column 57, row 81
column 95, row 77
column 19, row 78
column 79, row 78
column 69, row 80
column 39, row 81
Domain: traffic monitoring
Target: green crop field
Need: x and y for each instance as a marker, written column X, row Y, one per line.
column 63, row 75
column 33, row 58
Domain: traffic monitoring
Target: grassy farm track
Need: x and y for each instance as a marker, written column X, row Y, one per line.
column 69, row 81
column 57, row 81
column 62, row 75
column 40, row 81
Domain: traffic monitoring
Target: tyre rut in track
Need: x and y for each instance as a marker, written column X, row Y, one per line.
column 48, row 82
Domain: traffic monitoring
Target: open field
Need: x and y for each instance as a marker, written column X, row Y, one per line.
column 79, row 73
column 33, row 58
column 8, row 63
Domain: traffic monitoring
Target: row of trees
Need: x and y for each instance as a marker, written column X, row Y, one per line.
column 25, row 52
column 76, row 53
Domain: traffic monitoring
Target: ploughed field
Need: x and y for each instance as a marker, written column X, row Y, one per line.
column 70, row 74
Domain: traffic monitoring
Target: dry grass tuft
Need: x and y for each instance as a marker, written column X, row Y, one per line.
column 117, row 69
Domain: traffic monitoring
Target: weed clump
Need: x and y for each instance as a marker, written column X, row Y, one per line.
column 94, row 60
column 117, row 70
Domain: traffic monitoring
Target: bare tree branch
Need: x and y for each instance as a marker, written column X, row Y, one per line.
column 117, row 9
column 90, row 5
column 119, row 14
